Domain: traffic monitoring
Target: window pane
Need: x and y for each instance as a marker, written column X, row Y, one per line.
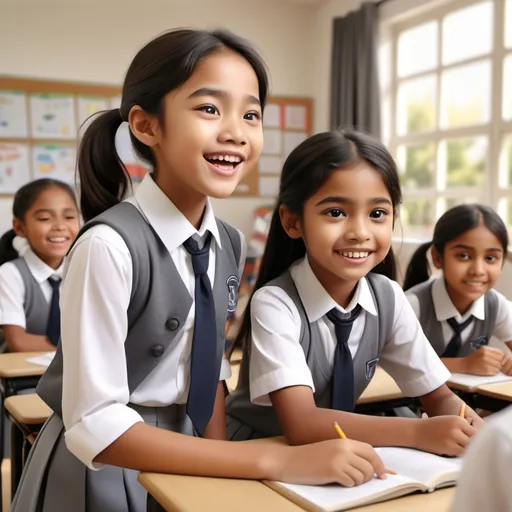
column 466, row 95
column 449, row 202
column 417, row 163
column 417, row 212
column 417, row 49
column 507, row 88
column 465, row 161
column 416, row 105
column 506, row 163
column 508, row 24
column 468, row 32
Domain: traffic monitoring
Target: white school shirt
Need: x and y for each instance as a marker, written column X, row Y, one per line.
column 485, row 481
column 12, row 287
column 95, row 298
column 278, row 361
column 444, row 309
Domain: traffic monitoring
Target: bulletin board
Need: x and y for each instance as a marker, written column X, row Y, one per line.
column 41, row 122
column 286, row 123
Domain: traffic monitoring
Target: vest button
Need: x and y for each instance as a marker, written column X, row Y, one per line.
column 172, row 324
column 157, row 350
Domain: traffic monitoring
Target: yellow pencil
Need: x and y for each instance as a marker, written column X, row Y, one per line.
column 342, row 435
column 462, row 412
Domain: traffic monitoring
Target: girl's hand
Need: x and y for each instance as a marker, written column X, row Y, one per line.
column 343, row 461
column 443, row 435
column 506, row 365
column 484, row 361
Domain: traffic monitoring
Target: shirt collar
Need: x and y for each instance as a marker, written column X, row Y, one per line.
column 39, row 269
column 317, row 302
column 445, row 308
column 170, row 224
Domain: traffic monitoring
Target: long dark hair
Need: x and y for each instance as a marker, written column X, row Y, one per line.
column 452, row 224
column 24, row 198
column 305, row 170
column 161, row 66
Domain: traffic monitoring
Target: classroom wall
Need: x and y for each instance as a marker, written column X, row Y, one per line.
column 94, row 41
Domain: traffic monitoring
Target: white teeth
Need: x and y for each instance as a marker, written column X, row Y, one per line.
column 226, row 158
column 350, row 254
column 57, row 240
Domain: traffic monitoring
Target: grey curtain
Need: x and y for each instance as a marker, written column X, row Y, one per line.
column 355, row 95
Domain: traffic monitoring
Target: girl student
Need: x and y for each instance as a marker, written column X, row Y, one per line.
column 459, row 310
column 139, row 363
column 325, row 311
column 45, row 214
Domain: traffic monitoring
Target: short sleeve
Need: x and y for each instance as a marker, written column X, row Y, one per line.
column 12, row 296
column 503, row 328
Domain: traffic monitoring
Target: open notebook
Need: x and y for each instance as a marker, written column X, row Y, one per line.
column 476, row 380
column 416, row 471
column 43, row 359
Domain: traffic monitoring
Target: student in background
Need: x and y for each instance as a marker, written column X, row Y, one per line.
column 459, row 310
column 326, row 311
column 140, row 361
column 485, row 480
column 45, row 214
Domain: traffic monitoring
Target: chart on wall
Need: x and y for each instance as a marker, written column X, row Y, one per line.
column 13, row 114
column 53, row 116
column 14, row 167
column 54, row 161
column 87, row 107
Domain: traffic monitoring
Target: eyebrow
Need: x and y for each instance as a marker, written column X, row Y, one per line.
column 346, row 200
column 219, row 93
column 469, row 248
column 43, row 210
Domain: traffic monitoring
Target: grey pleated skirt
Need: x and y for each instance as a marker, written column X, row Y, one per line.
column 54, row 480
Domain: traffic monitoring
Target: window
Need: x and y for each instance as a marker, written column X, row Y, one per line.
column 450, row 98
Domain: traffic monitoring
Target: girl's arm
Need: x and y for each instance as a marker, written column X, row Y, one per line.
column 484, row 361
column 19, row 340
column 216, row 428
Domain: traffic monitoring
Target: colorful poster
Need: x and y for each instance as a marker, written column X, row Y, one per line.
column 14, row 167
column 53, row 116
column 54, row 161
column 88, row 106
column 134, row 165
column 13, row 114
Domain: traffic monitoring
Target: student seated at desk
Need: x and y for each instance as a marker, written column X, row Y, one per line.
column 326, row 311
column 485, row 481
column 459, row 311
column 45, row 214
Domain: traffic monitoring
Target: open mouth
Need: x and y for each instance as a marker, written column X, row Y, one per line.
column 225, row 163
column 355, row 256
column 58, row 240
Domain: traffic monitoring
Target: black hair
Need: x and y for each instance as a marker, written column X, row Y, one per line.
column 452, row 224
column 305, row 170
column 24, row 198
column 161, row 66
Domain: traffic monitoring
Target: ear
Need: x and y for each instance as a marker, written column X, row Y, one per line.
column 290, row 222
column 19, row 227
column 437, row 258
column 143, row 125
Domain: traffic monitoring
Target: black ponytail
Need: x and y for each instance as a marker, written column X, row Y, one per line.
column 7, row 251
column 163, row 65
column 418, row 269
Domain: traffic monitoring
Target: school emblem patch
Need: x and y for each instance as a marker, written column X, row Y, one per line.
column 233, row 284
column 479, row 342
column 370, row 368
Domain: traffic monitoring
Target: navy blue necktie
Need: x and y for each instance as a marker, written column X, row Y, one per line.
column 453, row 347
column 343, row 394
column 204, row 370
column 53, row 326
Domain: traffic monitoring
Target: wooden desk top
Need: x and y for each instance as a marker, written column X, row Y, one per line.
column 15, row 365
column 381, row 388
column 499, row 390
column 27, row 409
column 178, row 493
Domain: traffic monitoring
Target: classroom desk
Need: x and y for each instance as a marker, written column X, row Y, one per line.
column 494, row 397
column 177, row 493
column 28, row 414
column 16, row 374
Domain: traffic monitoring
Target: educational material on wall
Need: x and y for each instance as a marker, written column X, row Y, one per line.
column 14, row 167
column 415, row 471
column 296, row 117
column 270, row 164
column 13, row 114
column 52, row 116
column 134, row 165
column 269, row 186
column 292, row 140
column 54, row 161
column 272, row 116
column 273, row 142
column 88, row 106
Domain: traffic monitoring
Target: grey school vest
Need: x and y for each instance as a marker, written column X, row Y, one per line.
column 251, row 421
column 159, row 303
column 37, row 308
column 482, row 329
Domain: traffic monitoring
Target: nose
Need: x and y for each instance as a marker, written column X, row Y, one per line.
column 477, row 267
column 232, row 131
column 357, row 228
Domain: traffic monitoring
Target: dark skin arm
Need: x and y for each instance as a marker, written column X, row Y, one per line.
column 19, row 340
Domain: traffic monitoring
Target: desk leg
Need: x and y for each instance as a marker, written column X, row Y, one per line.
column 16, row 457
column 153, row 505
